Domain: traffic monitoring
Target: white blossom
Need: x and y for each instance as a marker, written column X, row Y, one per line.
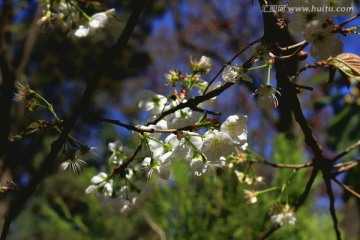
column 266, row 97
column 197, row 166
column 119, row 152
column 217, row 144
column 82, row 31
column 302, row 19
column 151, row 166
column 152, row 102
column 235, row 127
column 235, row 74
column 100, row 19
column 282, row 215
column 324, row 43
column 101, row 183
column 75, row 164
column 202, row 66
column 250, row 196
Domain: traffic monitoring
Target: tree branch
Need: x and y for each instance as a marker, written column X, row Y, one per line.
column 346, row 187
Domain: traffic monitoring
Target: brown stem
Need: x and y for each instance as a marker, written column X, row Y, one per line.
column 347, row 188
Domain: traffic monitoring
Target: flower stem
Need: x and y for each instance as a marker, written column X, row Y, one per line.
column 47, row 104
column 253, row 68
column 269, row 189
column 268, row 75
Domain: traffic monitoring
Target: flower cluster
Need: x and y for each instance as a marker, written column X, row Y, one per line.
column 281, row 215
column 186, row 135
column 203, row 153
column 316, row 28
column 94, row 24
column 70, row 16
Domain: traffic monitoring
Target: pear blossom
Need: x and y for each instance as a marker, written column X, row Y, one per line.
column 301, row 20
column 282, row 215
column 181, row 150
column 101, row 183
column 235, row 74
column 119, row 152
column 217, row 144
column 245, row 178
column 75, row 164
column 173, row 76
column 152, row 102
column 235, row 127
column 82, row 31
column 78, row 160
column 203, row 66
column 324, row 43
column 151, row 166
column 197, row 166
column 100, row 19
column 250, row 196
column 211, row 166
column 96, row 22
column 266, row 97
column 183, row 117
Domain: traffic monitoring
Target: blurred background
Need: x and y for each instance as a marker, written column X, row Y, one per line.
column 185, row 207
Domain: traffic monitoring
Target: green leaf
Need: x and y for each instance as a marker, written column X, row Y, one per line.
column 348, row 65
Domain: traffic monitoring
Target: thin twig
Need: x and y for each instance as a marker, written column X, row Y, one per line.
column 291, row 47
column 346, row 151
column 147, row 129
column 229, row 62
column 346, row 187
column 343, row 167
column 287, row 57
column 349, row 20
column 306, row 67
column 278, row 165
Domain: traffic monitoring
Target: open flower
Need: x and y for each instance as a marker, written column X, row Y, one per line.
column 101, row 183
column 250, row 196
column 235, row 74
column 152, row 102
column 266, row 97
column 82, row 31
column 100, row 19
column 324, row 43
column 282, row 215
column 203, row 66
column 119, row 152
column 217, row 144
column 302, row 19
column 96, row 22
column 157, row 166
column 235, row 127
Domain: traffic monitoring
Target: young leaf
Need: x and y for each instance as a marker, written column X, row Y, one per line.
column 348, row 65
